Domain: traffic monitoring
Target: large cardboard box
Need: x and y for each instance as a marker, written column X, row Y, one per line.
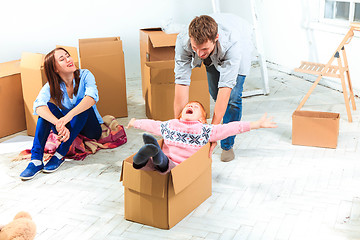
column 155, row 45
column 104, row 57
column 160, row 200
column 157, row 53
column 32, row 79
column 318, row 129
column 12, row 114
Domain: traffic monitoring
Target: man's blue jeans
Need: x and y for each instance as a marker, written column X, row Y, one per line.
column 234, row 108
column 85, row 123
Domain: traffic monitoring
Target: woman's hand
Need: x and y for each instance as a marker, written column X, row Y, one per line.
column 64, row 135
column 131, row 123
column 263, row 122
column 61, row 122
column 63, row 131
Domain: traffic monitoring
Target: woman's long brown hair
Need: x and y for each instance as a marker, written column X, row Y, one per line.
column 54, row 78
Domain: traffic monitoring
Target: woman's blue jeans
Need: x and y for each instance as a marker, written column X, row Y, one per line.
column 234, row 108
column 85, row 123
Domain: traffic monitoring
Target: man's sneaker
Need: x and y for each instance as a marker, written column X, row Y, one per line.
column 30, row 171
column 53, row 164
column 227, row 155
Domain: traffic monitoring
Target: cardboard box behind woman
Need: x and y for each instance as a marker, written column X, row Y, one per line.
column 12, row 114
column 163, row 200
column 32, row 79
column 104, row 57
column 157, row 53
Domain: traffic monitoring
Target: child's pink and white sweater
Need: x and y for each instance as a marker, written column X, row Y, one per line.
column 183, row 138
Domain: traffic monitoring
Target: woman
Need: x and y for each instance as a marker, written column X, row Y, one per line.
column 66, row 105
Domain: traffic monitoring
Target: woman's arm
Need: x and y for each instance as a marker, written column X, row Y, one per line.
column 86, row 103
column 45, row 113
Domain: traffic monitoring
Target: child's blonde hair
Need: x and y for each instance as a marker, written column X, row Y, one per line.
column 204, row 116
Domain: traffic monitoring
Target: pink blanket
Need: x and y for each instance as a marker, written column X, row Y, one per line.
column 113, row 135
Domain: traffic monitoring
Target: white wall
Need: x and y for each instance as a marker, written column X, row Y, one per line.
column 291, row 35
column 39, row 25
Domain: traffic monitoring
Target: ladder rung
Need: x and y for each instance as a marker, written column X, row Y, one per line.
column 310, row 67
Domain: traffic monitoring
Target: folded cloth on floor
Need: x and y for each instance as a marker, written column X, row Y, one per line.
column 113, row 135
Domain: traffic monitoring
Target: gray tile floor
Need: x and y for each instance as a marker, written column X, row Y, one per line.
column 272, row 190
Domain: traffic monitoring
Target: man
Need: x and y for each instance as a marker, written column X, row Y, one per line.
column 223, row 43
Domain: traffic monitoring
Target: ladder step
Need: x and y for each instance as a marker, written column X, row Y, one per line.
column 317, row 68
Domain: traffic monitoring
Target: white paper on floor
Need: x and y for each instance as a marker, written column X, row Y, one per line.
column 16, row 144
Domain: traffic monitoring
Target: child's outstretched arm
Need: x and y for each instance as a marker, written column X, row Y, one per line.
column 263, row 122
column 222, row 131
column 131, row 123
column 148, row 125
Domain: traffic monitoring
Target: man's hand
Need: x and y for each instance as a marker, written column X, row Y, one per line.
column 181, row 98
column 221, row 104
column 212, row 146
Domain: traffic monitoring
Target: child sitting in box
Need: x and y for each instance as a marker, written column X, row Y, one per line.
column 185, row 135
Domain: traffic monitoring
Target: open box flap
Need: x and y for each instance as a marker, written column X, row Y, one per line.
column 316, row 114
column 32, row 60
column 95, row 40
column 9, row 68
column 168, row 64
column 161, row 39
column 189, row 170
column 161, row 72
column 146, row 182
column 100, row 48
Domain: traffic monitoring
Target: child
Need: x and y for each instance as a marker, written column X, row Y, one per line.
column 185, row 135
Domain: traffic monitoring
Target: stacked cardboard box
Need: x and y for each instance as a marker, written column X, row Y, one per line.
column 104, row 57
column 162, row 200
column 12, row 114
column 157, row 53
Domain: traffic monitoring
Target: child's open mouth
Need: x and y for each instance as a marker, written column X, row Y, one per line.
column 189, row 111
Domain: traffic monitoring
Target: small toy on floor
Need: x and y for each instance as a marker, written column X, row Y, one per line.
column 21, row 228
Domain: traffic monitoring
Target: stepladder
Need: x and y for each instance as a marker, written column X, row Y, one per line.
column 336, row 67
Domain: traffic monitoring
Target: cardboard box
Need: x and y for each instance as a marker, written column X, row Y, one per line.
column 157, row 53
column 160, row 200
column 32, row 79
column 12, row 113
column 155, row 45
column 104, row 57
column 73, row 53
column 318, row 129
